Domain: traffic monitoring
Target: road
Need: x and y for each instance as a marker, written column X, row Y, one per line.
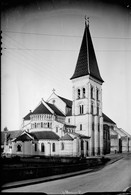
column 113, row 177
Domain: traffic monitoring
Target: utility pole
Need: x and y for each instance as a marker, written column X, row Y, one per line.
column 1, row 42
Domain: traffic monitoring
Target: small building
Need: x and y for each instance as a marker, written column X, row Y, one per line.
column 108, row 140
column 124, row 143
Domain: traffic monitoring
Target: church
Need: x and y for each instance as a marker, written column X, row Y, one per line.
column 61, row 127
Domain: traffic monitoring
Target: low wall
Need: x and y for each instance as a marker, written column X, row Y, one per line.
column 34, row 168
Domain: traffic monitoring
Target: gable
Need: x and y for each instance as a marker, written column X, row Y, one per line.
column 24, row 137
column 41, row 109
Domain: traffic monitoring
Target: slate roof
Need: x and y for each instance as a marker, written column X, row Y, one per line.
column 66, row 137
column 80, row 135
column 107, row 119
column 10, row 135
column 69, row 113
column 87, row 63
column 68, row 102
column 38, row 135
column 70, row 126
column 23, row 137
column 27, row 117
column 55, row 109
column 41, row 109
column 48, row 135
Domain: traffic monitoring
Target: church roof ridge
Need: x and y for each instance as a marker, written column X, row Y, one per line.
column 107, row 119
column 67, row 101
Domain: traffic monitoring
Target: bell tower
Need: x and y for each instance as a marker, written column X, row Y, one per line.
column 87, row 95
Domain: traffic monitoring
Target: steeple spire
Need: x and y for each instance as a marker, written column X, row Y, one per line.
column 87, row 63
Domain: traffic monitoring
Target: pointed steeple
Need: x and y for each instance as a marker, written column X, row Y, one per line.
column 87, row 63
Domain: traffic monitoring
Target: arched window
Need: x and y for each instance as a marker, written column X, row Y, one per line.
column 48, row 125
column 42, row 148
column 56, row 129
column 62, row 146
column 35, row 147
column 80, row 127
column 81, row 109
column 87, row 146
column 93, row 126
column 53, row 101
column 19, row 148
column 82, row 145
column 97, row 110
column 92, row 108
column 92, row 92
column 97, row 94
column 78, row 95
column 53, row 147
column 83, row 92
column 41, row 124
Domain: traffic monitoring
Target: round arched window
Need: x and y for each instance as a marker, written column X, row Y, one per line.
column 42, row 148
column 19, row 148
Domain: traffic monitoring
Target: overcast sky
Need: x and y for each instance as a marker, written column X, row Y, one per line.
column 41, row 43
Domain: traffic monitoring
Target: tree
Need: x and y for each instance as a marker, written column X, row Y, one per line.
column 5, row 129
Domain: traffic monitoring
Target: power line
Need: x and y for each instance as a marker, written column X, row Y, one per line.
column 63, row 50
column 62, row 35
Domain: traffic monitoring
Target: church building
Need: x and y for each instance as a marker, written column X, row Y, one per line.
column 61, row 127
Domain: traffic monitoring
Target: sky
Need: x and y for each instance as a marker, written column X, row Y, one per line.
column 40, row 47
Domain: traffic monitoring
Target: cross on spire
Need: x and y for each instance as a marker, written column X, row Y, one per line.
column 87, row 21
column 53, row 90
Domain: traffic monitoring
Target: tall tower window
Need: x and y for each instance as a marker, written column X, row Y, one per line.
column 97, row 110
column 92, row 108
column 78, row 94
column 93, row 126
column 97, row 95
column 81, row 109
column 92, row 92
column 83, row 92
